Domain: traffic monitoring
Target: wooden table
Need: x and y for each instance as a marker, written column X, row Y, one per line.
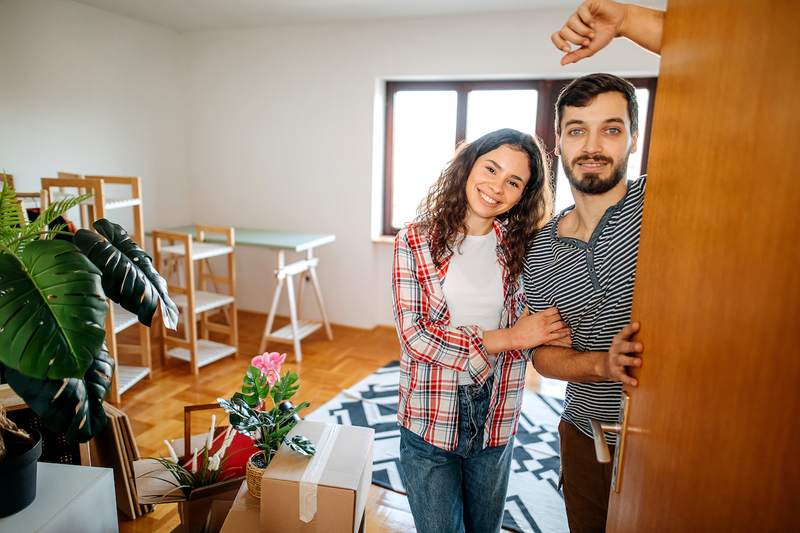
column 283, row 241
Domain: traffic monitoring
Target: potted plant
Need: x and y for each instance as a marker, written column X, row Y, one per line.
column 195, row 481
column 53, row 304
column 19, row 452
column 268, row 425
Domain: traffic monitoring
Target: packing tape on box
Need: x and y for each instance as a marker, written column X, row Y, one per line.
column 314, row 470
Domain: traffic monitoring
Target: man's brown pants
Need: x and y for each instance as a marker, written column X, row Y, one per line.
column 586, row 483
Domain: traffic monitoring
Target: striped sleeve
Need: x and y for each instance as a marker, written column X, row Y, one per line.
column 421, row 338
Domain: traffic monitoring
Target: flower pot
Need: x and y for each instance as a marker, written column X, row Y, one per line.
column 255, row 469
column 18, row 472
column 206, row 508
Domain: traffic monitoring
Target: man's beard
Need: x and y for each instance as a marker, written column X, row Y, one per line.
column 592, row 183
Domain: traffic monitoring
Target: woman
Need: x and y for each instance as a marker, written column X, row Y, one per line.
column 458, row 306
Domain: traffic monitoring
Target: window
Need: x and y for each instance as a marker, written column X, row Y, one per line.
column 426, row 120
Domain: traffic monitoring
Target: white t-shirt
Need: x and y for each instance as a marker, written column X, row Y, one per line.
column 473, row 287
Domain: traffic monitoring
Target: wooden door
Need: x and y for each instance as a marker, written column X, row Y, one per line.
column 715, row 422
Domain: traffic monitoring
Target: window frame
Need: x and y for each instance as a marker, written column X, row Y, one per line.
column 547, row 93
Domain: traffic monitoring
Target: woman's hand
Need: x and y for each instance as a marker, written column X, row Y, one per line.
column 563, row 342
column 544, row 327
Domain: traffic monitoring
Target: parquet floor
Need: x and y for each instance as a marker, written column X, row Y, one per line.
column 155, row 407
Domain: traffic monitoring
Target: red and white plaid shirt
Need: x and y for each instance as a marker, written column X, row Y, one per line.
column 434, row 352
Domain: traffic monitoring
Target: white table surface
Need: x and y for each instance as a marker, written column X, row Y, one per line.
column 69, row 499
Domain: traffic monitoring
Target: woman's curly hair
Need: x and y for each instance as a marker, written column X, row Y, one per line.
column 442, row 214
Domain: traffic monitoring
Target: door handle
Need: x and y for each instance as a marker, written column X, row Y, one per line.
column 601, row 445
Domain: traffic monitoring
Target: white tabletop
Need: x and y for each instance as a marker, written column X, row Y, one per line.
column 279, row 240
column 69, row 499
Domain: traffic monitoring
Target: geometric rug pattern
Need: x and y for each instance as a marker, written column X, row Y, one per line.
column 533, row 503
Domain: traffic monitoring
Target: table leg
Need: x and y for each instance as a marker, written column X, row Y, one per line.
column 312, row 271
column 271, row 318
column 298, row 354
column 300, row 287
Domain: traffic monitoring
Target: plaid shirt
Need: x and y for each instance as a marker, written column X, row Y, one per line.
column 434, row 352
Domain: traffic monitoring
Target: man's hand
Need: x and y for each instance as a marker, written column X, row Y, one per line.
column 597, row 22
column 622, row 355
column 593, row 25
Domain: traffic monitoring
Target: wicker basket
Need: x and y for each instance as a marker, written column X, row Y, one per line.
column 254, row 474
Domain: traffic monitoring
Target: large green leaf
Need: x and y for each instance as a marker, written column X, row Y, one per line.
column 301, row 445
column 285, row 388
column 243, row 418
column 255, row 386
column 129, row 277
column 52, row 310
column 72, row 406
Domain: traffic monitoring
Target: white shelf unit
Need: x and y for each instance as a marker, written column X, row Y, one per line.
column 287, row 333
column 117, row 319
column 207, row 352
column 191, row 292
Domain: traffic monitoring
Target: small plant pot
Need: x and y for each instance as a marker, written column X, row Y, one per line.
column 18, row 472
column 255, row 469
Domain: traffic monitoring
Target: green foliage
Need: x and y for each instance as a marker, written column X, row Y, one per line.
column 301, row 445
column 129, row 277
column 16, row 233
column 53, row 308
column 285, row 388
column 72, row 406
column 255, row 386
column 185, row 480
column 11, row 217
column 268, row 428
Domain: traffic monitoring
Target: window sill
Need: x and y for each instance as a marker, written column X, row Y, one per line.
column 383, row 239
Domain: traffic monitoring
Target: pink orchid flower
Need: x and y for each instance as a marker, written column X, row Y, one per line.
column 269, row 363
column 272, row 376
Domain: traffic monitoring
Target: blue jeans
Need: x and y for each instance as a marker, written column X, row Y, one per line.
column 462, row 490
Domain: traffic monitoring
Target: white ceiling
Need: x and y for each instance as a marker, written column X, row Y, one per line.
column 196, row 15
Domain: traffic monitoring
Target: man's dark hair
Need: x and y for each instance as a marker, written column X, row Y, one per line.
column 580, row 93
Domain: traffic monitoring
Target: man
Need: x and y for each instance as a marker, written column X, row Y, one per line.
column 584, row 260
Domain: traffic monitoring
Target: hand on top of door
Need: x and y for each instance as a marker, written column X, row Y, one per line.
column 622, row 355
column 597, row 22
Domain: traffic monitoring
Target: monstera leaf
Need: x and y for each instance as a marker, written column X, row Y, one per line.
column 301, row 445
column 52, row 310
column 129, row 277
column 73, row 406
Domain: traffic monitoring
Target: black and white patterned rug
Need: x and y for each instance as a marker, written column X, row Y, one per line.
column 533, row 503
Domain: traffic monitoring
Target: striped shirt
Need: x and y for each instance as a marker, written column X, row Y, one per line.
column 592, row 286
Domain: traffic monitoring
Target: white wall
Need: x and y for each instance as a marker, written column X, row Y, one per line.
column 280, row 129
column 87, row 91
column 269, row 128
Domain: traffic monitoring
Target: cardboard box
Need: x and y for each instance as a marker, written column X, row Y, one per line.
column 330, row 489
column 243, row 514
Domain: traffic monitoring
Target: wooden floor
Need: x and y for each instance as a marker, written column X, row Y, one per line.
column 155, row 407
